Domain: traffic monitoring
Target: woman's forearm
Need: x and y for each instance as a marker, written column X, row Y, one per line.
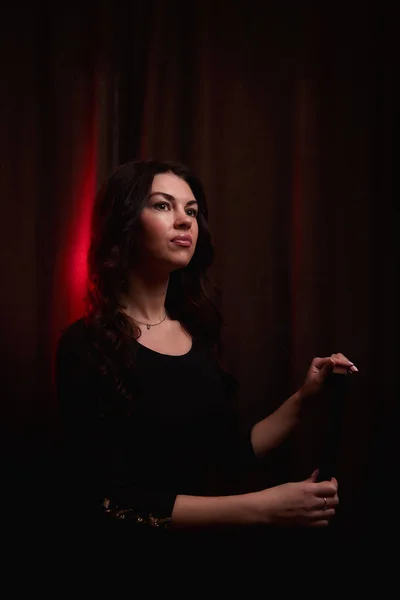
column 214, row 512
column 274, row 429
column 305, row 502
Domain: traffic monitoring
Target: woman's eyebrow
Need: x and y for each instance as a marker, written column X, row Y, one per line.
column 171, row 198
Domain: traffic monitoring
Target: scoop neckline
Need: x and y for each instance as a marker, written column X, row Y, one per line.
column 167, row 355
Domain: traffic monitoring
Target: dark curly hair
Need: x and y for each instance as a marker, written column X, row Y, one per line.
column 114, row 227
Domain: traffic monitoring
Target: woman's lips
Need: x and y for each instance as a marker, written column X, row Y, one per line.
column 179, row 242
column 182, row 240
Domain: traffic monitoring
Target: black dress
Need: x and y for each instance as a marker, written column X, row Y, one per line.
column 125, row 463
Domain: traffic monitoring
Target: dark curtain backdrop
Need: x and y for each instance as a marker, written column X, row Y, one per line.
column 287, row 115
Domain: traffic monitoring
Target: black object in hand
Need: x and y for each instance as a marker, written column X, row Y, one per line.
column 336, row 386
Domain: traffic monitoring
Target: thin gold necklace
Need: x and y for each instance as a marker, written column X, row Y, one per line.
column 148, row 325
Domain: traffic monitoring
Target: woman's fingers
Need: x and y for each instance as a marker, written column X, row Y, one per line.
column 342, row 361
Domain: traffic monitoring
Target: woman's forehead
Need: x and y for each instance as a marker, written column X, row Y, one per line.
column 171, row 184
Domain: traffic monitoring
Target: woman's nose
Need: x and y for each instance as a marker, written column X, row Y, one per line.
column 182, row 219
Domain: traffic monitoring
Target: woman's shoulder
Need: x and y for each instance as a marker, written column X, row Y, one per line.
column 73, row 336
column 77, row 342
column 77, row 354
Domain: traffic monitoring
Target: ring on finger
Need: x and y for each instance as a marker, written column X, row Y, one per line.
column 325, row 503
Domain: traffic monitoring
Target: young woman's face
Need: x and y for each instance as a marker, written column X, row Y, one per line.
column 169, row 228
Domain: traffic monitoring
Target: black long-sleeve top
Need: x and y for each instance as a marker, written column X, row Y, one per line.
column 180, row 434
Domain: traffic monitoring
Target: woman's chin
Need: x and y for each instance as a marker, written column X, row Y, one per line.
column 179, row 260
column 179, row 264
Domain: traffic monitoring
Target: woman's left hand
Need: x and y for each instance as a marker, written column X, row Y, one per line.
column 321, row 368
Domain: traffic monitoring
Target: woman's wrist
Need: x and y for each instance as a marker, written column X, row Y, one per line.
column 301, row 395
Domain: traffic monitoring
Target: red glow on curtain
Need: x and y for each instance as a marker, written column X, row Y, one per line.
column 71, row 270
column 77, row 252
column 70, row 277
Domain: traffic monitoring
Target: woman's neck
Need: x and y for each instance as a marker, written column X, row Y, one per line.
column 145, row 298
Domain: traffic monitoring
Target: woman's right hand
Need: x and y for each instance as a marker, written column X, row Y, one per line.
column 305, row 503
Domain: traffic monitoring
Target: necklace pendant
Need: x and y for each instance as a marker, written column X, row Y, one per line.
column 148, row 325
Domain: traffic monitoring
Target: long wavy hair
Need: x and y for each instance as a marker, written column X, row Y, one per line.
column 114, row 229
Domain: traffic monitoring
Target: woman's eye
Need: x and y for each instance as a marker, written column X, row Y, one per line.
column 161, row 206
column 164, row 206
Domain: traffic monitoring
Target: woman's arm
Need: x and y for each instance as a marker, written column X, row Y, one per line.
column 96, row 479
column 303, row 503
column 274, row 429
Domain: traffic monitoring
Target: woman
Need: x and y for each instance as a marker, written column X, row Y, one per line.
column 148, row 410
